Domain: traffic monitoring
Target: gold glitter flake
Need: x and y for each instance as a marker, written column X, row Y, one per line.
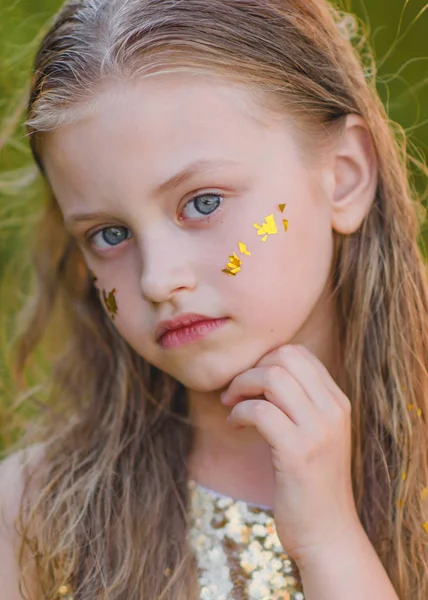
column 110, row 302
column 284, row 221
column 243, row 248
column 234, row 266
column 65, row 593
column 267, row 228
column 418, row 410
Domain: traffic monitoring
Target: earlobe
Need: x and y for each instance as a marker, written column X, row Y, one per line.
column 356, row 176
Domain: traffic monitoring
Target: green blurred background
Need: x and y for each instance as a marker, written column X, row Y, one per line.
column 397, row 31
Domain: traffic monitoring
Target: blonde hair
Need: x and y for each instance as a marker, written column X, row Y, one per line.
column 112, row 511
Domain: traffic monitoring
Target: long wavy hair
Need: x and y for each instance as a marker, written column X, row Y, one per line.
column 110, row 510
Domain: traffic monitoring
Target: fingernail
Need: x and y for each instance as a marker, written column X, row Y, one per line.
column 223, row 397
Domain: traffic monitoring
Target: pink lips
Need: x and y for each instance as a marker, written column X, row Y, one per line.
column 185, row 329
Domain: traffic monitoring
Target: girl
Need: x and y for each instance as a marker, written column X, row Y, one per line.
column 231, row 236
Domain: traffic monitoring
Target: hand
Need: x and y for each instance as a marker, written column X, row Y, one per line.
column 306, row 419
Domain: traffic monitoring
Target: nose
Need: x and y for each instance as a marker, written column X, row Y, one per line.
column 166, row 268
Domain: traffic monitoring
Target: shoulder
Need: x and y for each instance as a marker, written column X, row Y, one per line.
column 12, row 485
column 12, row 481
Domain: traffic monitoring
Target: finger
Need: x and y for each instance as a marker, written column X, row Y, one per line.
column 272, row 424
column 325, row 375
column 297, row 364
column 276, row 385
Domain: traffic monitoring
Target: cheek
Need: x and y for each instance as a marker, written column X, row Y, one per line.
column 285, row 274
column 133, row 324
column 117, row 290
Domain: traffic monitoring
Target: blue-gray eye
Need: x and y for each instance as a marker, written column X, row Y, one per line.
column 110, row 236
column 205, row 204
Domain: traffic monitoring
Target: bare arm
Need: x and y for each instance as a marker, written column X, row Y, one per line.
column 11, row 488
column 348, row 568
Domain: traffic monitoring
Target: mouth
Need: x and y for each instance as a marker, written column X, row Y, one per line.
column 191, row 332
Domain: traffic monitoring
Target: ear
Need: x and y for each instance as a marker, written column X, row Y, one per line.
column 355, row 174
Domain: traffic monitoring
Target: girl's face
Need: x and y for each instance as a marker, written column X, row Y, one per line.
column 163, row 247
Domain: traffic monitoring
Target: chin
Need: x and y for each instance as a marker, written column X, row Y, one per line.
column 207, row 384
column 208, row 378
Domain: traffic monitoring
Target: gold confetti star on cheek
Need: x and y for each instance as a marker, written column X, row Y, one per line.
column 243, row 249
column 110, row 302
column 234, row 265
column 284, row 221
column 267, row 228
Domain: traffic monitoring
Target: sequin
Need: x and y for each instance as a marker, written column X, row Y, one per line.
column 64, row 592
column 281, row 207
column 238, row 551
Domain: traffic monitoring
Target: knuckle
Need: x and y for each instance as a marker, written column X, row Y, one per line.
column 234, row 384
column 260, row 407
column 284, row 353
column 342, row 409
column 338, row 414
column 272, row 375
column 345, row 403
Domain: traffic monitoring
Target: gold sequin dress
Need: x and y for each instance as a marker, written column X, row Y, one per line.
column 238, row 552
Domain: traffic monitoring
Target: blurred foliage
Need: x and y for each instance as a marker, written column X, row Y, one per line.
column 396, row 30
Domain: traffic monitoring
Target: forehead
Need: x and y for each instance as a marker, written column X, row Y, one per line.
column 151, row 128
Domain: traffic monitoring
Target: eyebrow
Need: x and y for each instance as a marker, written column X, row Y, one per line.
column 194, row 168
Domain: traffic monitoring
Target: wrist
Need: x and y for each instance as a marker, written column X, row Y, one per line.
column 349, row 540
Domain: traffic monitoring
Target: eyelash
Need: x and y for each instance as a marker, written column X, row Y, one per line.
column 93, row 234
